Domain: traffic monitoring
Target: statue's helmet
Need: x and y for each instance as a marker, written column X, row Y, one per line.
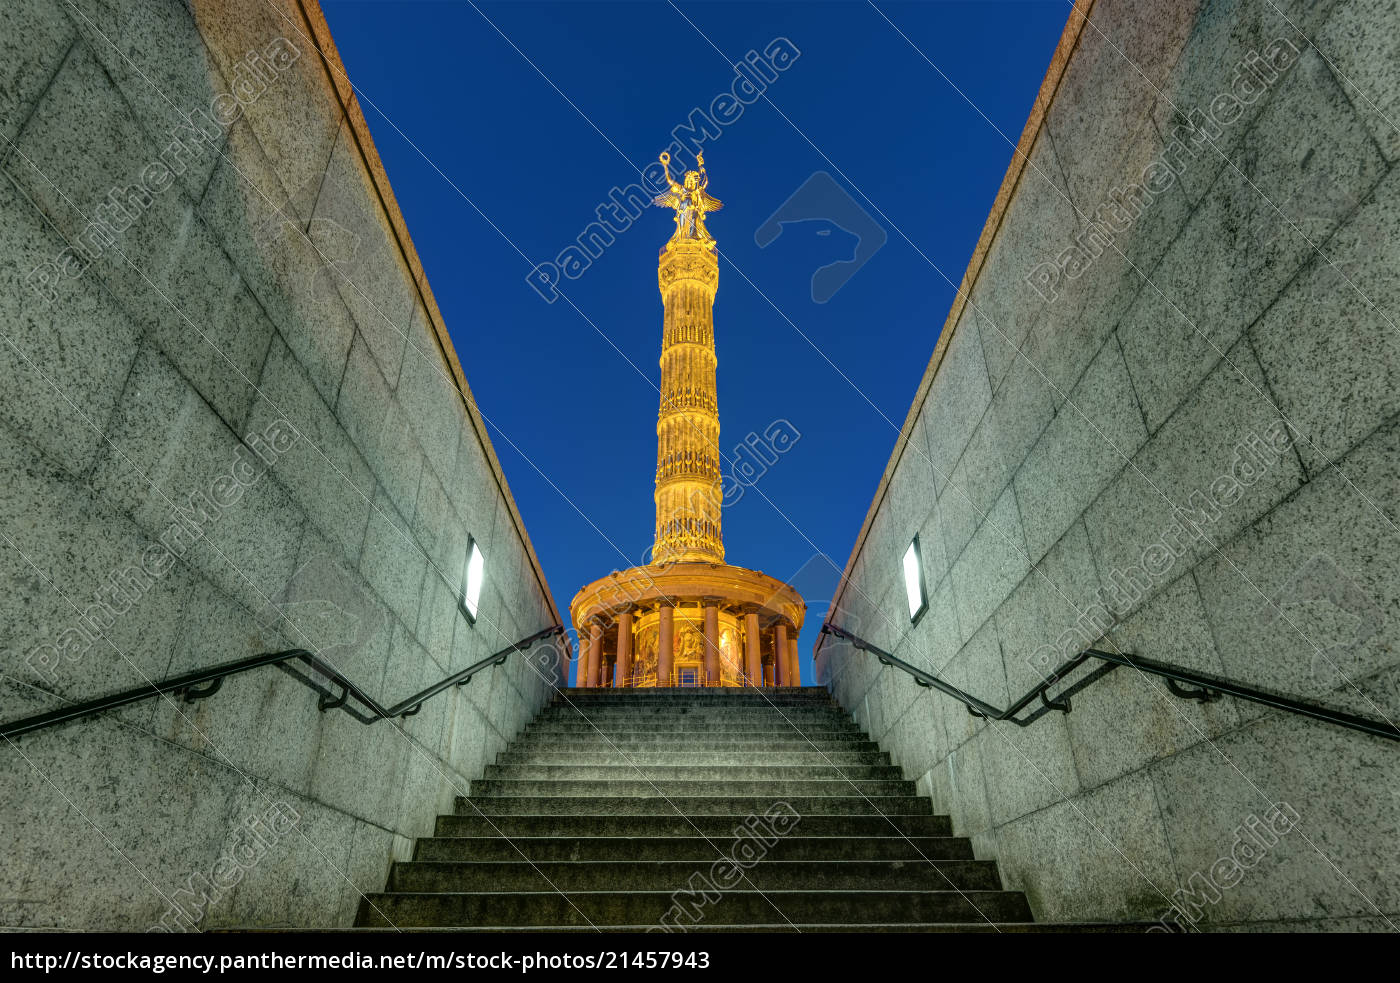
column 692, row 180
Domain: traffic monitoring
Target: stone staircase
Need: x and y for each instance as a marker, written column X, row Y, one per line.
column 613, row 807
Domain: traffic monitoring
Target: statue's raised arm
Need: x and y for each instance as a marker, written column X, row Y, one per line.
column 666, row 167
column 711, row 203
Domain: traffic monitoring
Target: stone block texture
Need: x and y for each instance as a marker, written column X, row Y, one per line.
column 231, row 422
column 1226, row 347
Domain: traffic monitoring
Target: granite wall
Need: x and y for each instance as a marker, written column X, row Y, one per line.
column 231, row 421
column 1163, row 419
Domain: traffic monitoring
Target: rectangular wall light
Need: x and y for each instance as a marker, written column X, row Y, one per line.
column 476, row 575
column 914, row 581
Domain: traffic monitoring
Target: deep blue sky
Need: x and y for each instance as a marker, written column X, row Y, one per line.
column 572, row 421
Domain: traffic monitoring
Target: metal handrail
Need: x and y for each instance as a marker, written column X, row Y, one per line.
column 203, row 683
column 1185, row 684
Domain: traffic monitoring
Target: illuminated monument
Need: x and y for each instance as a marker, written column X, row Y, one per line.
column 687, row 618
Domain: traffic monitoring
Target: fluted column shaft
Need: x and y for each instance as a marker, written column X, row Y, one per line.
column 595, row 653
column 624, row 649
column 666, row 647
column 753, row 662
column 780, row 659
column 711, row 644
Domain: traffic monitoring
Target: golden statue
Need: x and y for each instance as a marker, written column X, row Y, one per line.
column 690, row 200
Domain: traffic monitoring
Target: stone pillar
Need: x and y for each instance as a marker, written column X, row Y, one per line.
column 711, row 642
column 780, row 659
column 595, row 653
column 794, row 661
column 665, row 647
column 624, row 649
column 753, row 663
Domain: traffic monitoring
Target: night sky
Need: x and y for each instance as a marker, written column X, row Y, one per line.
column 495, row 172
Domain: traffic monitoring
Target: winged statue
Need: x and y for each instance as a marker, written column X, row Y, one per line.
column 690, row 200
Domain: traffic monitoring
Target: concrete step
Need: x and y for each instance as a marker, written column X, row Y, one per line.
column 667, row 710
column 695, row 693
column 737, row 745
column 759, row 725
column 510, row 788
column 805, row 928
column 691, row 805
column 672, row 875
column 694, row 848
column 661, row 723
column 738, row 907
column 546, row 758
column 765, row 723
column 751, row 771
column 753, row 713
column 681, row 731
column 666, row 822
column 727, row 697
column 658, row 710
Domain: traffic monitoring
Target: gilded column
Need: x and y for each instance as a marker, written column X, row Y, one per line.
column 687, row 565
column 688, row 491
